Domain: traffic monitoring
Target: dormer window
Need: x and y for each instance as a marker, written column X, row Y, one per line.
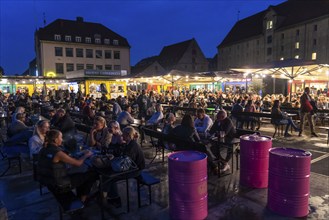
column 68, row 38
column 57, row 37
column 97, row 41
column 115, row 42
column 88, row 40
column 77, row 39
column 269, row 25
column 106, row 41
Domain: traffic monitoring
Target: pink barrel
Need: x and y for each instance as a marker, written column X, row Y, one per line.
column 188, row 194
column 254, row 154
column 289, row 181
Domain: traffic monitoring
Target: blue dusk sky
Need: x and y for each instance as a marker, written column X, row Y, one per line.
column 148, row 25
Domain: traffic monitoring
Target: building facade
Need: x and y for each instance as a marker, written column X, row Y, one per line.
column 291, row 30
column 64, row 46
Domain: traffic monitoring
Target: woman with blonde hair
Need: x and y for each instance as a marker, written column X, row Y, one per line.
column 37, row 140
column 99, row 136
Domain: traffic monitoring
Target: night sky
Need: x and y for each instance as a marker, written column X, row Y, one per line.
column 148, row 25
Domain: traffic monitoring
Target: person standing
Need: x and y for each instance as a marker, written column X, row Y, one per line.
column 143, row 103
column 306, row 111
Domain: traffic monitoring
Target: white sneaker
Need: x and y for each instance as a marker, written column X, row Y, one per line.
column 226, row 168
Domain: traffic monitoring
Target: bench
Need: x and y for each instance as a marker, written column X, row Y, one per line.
column 11, row 157
column 157, row 141
column 146, row 179
column 67, row 201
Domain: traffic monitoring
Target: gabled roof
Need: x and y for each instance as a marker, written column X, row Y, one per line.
column 143, row 64
column 290, row 12
column 79, row 28
column 170, row 55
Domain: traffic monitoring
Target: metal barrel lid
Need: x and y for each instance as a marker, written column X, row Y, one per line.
column 187, row 156
column 290, row 152
column 255, row 138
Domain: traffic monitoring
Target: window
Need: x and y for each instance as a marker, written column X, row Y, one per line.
column 99, row 53
column 297, row 32
column 269, row 39
column 314, row 56
column 90, row 66
column 115, row 42
column 108, row 54
column 257, row 42
column 282, row 58
column 99, row 67
column 297, row 45
column 69, row 52
column 282, row 48
column 106, row 41
column 59, row 68
column 116, row 55
column 269, row 25
column 193, row 60
column 117, row 67
column 79, row 52
column 88, row 40
column 58, row 51
column 77, row 39
column 57, row 37
column 108, row 67
column 314, row 42
column 282, row 36
column 80, row 66
column 97, row 41
column 68, row 38
column 297, row 57
column 69, row 67
column 269, row 51
column 315, row 27
column 89, row 53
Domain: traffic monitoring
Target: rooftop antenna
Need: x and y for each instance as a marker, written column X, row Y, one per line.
column 238, row 15
column 44, row 19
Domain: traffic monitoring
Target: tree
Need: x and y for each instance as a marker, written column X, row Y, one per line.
column 257, row 86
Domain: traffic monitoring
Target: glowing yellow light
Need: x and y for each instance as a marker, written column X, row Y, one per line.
column 51, row 74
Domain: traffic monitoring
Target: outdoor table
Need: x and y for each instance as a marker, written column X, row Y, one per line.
column 107, row 176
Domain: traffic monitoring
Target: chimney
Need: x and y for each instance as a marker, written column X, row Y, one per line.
column 80, row 19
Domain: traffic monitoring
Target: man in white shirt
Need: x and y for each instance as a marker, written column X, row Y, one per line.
column 203, row 122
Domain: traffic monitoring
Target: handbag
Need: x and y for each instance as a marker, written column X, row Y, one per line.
column 122, row 163
column 102, row 161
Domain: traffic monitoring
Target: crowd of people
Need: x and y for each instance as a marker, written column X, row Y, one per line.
column 111, row 120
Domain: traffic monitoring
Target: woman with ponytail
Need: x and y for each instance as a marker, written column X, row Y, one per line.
column 37, row 140
column 52, row 167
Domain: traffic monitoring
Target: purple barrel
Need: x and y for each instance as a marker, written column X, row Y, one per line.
column 289, row 181
column 188, row 194
column 254, row 157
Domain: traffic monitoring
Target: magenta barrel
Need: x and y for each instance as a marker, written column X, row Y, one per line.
column 289, row 181
column 254, row 157
column 188, row 194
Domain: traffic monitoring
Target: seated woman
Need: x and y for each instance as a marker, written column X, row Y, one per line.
column 99, row 136
column 116, row 138
column 37, row 140
column 187, row 132
column 52, row 167
column 132, row 149
column 282, row 118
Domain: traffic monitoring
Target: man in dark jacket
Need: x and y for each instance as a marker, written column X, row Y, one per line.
column 223, row 124
column 63, row 122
